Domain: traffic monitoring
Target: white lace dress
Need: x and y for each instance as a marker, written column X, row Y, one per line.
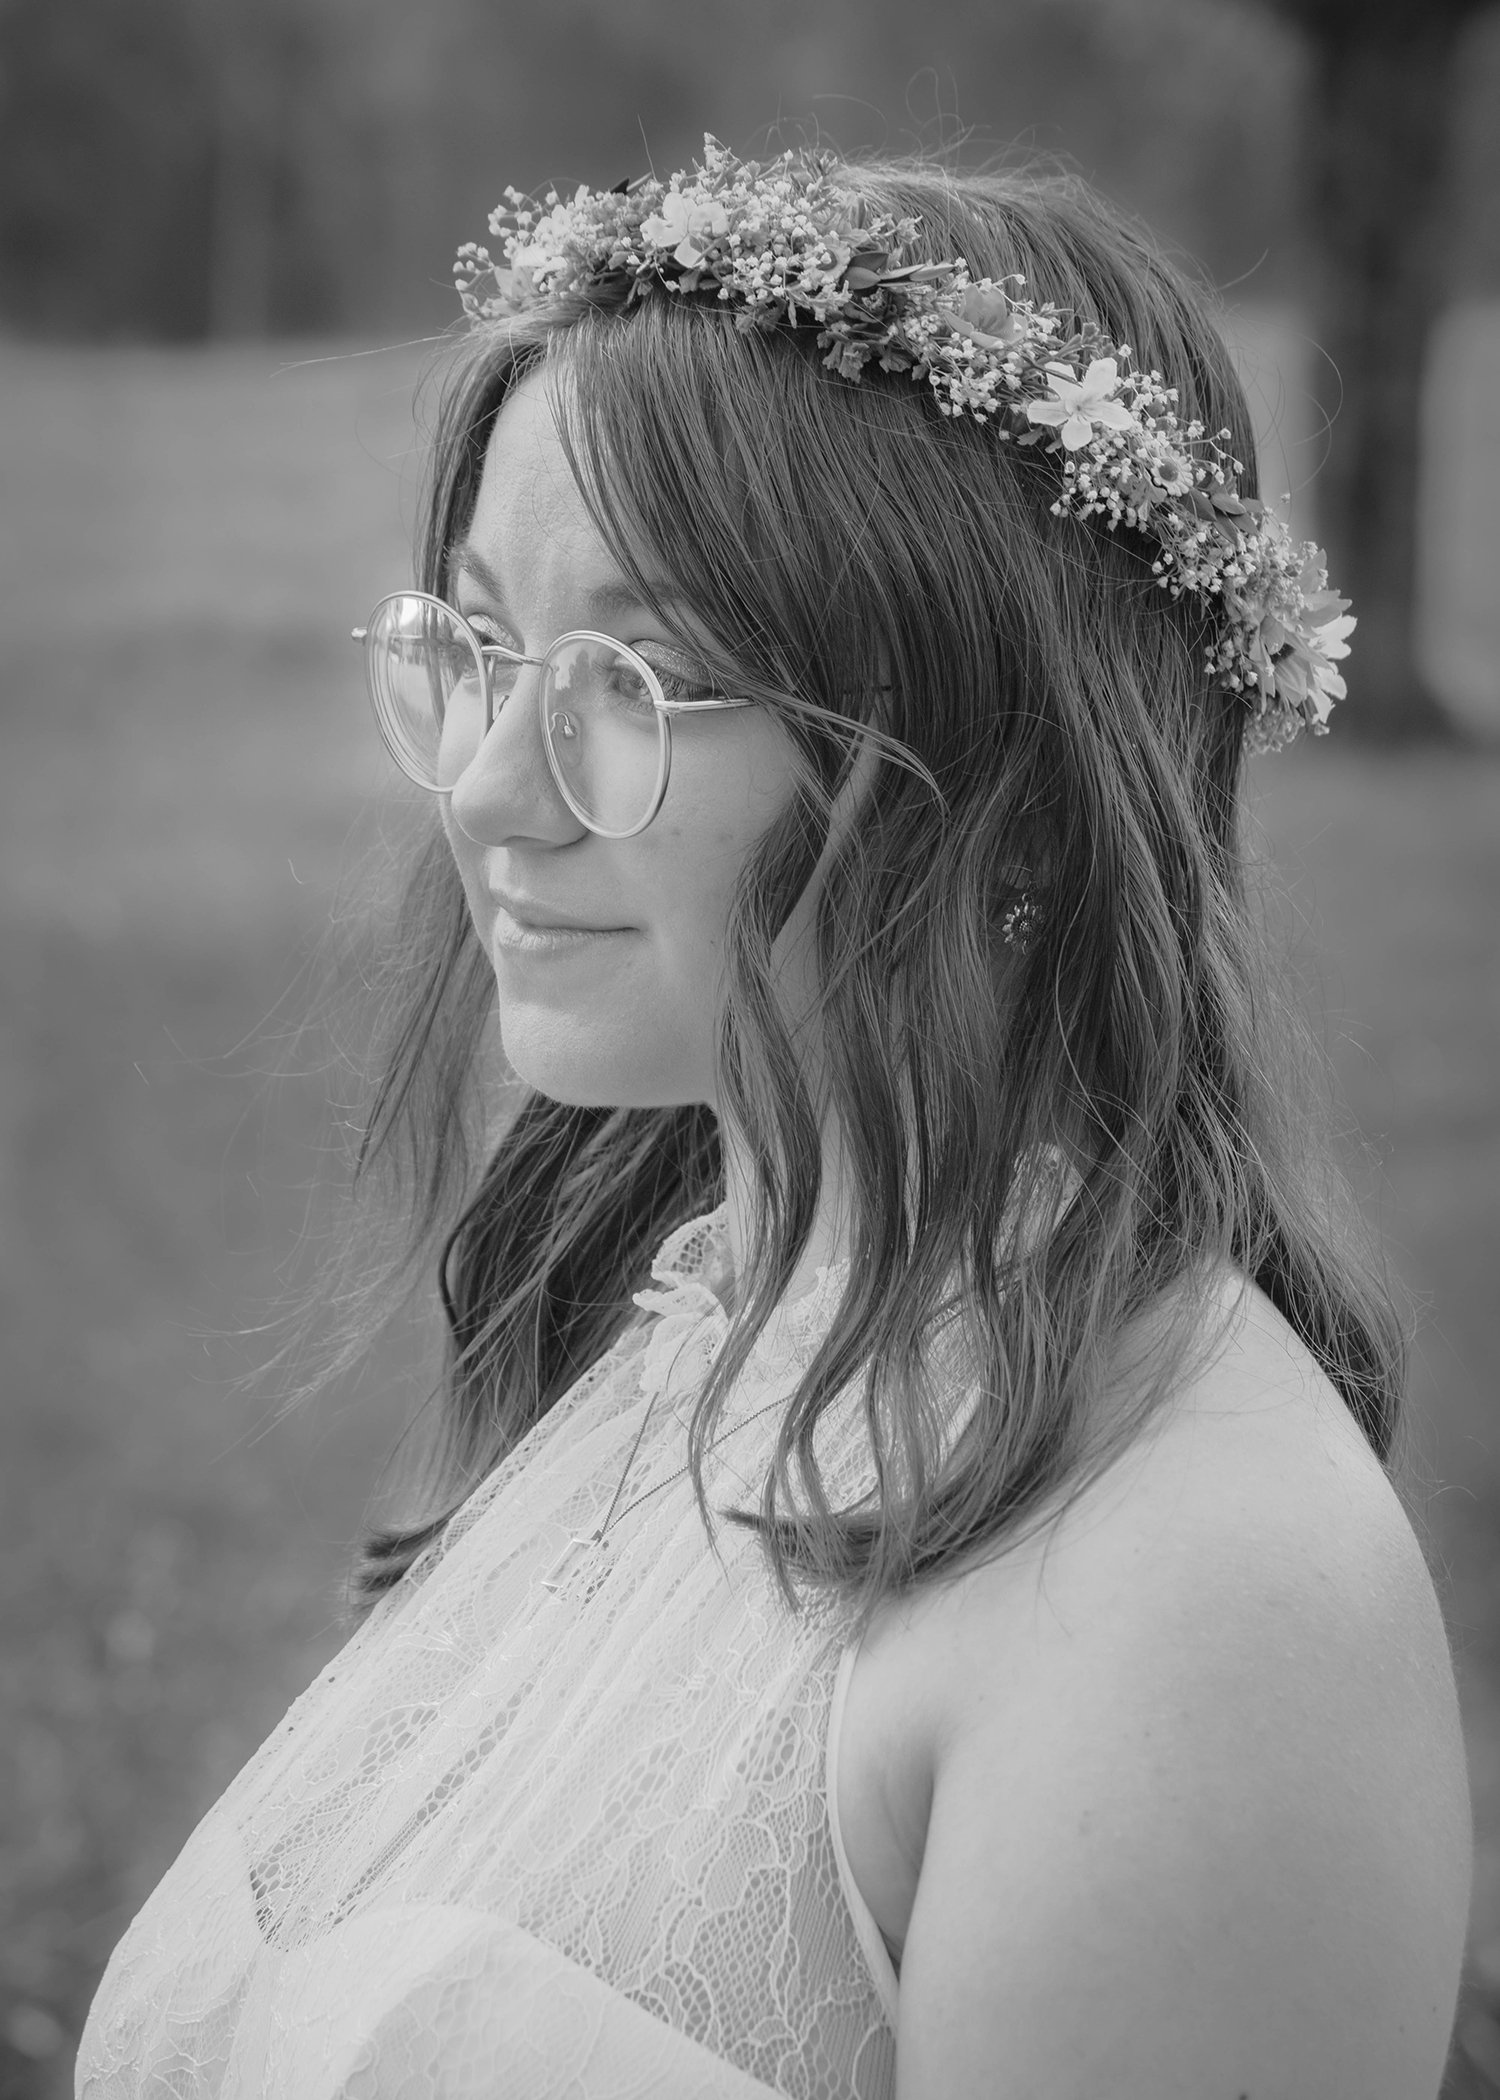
column 528, row 1841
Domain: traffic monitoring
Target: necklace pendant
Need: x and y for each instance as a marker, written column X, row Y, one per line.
column 563, row 1568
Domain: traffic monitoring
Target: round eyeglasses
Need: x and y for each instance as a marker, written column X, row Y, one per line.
column 605, row 712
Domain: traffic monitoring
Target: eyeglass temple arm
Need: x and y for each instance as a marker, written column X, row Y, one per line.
column 699, row 707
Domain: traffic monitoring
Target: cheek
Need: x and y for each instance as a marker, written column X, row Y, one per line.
column 637, row 1022
column 715, row 819
column 683, row 890
column 467, row 858
column 694, row 866
column 731, row 778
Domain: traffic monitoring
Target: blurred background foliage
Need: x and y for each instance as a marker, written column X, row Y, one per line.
column 190, row 170
column 225, row 229
column 181, row 169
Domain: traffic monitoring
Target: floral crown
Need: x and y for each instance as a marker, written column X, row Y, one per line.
column 784, row 246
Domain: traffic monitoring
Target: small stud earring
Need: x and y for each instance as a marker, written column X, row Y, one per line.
column 1018, row 925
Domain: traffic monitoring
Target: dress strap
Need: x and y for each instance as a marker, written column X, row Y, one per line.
column 871, row 1939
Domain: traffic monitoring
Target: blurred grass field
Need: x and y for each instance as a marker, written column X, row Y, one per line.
column 186, row 539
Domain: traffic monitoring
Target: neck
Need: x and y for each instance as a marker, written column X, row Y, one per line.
column 828, row 1242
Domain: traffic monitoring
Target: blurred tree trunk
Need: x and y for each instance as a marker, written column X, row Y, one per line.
column 244, row 127
column 1377, row 123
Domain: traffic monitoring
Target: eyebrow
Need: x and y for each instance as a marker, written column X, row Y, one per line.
column 603, row 603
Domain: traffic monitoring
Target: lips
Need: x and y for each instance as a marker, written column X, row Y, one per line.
column 532, row 917
column 518, row 936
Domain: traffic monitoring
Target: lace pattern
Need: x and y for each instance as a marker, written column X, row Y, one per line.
column 522, row 1839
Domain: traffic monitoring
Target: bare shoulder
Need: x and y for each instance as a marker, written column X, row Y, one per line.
column 1251, row 1502
column 1252, row 1494
column 1201, row 1730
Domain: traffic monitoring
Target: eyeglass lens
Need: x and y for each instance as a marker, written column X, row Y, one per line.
column 605, row 740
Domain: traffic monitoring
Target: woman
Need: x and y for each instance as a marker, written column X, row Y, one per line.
column 912, row 1602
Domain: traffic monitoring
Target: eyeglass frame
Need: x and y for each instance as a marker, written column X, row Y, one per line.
column 664, row 708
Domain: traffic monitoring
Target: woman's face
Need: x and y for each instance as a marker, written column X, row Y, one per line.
column 607, row 952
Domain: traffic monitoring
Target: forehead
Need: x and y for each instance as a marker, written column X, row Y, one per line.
column 529, row 509
column 533, row 541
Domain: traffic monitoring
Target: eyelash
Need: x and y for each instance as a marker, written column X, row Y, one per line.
column 672, row 665
column 489, row 629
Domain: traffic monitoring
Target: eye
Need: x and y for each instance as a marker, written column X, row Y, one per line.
column 489, row 629
column 680, row 677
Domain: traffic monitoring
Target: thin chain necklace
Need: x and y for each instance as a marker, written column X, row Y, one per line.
column 592, row 1543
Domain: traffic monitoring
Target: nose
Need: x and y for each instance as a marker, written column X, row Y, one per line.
column 506, row 791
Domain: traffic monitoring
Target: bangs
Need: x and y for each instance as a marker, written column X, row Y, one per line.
column 697, row 445
column 850, row 553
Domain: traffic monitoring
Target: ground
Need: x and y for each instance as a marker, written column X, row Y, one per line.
column 190, row 796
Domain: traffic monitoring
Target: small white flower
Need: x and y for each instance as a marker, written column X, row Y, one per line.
column 687, row 229
column 1172, row 471
column 1078, row 405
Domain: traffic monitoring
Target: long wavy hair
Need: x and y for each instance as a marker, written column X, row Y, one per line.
column 1046, row 731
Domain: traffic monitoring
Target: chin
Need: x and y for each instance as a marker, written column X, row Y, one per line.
column 570, row 1063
